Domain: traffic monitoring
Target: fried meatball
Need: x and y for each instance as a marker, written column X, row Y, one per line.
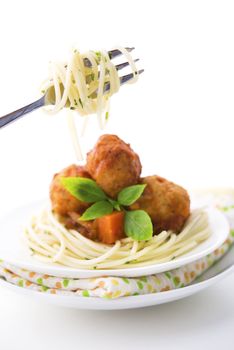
column 113, row 164
column 167, row 204
column 62, row 201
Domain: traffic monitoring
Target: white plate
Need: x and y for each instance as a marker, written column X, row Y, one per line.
column 13, row 251
column 131, row 302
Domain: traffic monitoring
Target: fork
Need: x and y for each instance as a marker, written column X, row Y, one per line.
column 43, row 101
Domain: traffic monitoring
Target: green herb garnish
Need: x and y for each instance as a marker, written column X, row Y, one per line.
column 130, row 194
column 84, row 189
column 97, row 210
column 137, row 223
column 115, row 204
column 98, row 57
column 98, row 54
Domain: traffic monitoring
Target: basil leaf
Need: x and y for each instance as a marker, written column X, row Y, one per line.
column 97, row 210
column 138, row 225
column 86, row 190
column 115, row 204
column 130, row 194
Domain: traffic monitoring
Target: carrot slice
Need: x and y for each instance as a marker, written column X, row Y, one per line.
column 111, row 227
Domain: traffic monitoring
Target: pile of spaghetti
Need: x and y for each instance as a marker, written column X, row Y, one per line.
column 50, row 241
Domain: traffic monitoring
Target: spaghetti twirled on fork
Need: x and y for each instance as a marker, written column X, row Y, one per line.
column 85, row 84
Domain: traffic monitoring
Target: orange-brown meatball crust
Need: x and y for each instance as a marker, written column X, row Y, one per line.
column 113, row 164
column 62, row 201
column 167, row 204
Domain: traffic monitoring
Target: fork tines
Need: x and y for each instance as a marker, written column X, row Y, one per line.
column 124, row 79
column 113, row 54
column 116, row 52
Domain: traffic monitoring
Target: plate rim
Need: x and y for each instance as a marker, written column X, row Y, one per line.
column 126, row 302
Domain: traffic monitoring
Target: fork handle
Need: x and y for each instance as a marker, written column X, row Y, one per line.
column 11, row 117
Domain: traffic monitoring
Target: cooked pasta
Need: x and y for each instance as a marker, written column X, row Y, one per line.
column 81, row 84
column 51, row 242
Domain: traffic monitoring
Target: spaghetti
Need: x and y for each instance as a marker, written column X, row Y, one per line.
column 51, row 242
column 82, row 87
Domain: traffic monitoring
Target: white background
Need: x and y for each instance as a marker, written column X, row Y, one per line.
column 179, row 117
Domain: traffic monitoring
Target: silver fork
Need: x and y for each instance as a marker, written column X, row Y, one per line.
column 43, row 101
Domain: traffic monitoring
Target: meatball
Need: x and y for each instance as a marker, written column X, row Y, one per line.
column 113, row 164
column 62, row 201
column 167, row 204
